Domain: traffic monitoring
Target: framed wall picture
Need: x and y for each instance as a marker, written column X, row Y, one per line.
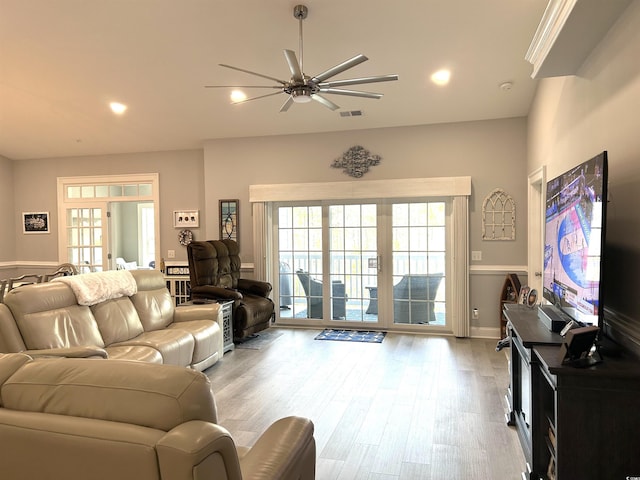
column 229, row 219
column 186, row 218
column 35, row 222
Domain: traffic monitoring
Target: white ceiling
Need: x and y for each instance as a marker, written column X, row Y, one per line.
column 63, row 61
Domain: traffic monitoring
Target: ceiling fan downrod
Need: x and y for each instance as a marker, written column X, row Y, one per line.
column 300, row 12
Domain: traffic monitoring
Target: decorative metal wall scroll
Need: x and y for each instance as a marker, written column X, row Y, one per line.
column 356, row 161
column 229, row 219
column 498, row 216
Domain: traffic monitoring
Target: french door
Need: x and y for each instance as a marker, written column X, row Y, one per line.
column 362, row 264
column 85, row 228
column 101, row 218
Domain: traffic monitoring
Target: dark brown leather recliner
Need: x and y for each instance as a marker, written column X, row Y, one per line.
column 214, row 268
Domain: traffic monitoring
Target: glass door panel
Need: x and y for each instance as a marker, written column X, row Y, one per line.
column 353, row 252
column 331, row 260
column 300, row 258
column 85, row 232
column 418, row 258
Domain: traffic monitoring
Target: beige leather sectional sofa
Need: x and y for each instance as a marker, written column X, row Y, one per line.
column 75, row 418
column 125, row 315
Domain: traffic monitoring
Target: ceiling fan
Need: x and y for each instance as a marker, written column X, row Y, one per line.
column 301, row 88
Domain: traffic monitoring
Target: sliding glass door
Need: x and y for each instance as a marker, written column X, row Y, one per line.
column 419, row 261
column 362, row 264
column 353, row 254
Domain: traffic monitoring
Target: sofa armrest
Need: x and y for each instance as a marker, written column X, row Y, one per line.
column 211, row 291
column 70, row 352
column 206, row 311
column 255, row 287
column 198, row 449
column 285, row 451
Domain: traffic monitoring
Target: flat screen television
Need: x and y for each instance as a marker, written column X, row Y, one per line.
column 575, row 221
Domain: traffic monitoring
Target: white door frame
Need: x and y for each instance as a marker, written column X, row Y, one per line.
column 64, row 202
column 536, row 193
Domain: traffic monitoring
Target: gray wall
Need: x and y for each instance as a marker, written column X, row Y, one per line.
column 7, row 213
column 492, row 152
column 35, row 183
column 574, row 118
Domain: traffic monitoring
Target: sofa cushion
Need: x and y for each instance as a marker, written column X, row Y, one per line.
column 117, row 320
column 55, row 447
column 140, row 353
column 48, row 316
column 175, row 346
column 206, row 337
column 117, row 390
column 10, row 337
column 153, row 301
column 9, row 364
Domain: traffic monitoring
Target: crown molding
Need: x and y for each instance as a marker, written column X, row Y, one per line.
column 568, row 32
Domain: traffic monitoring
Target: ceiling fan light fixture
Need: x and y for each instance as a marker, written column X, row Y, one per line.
column 118, row 108
column 441, row 77
column 301, row 95
column 238, row 96
column 302, row 88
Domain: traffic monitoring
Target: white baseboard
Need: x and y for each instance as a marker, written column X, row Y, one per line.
column 485, row 332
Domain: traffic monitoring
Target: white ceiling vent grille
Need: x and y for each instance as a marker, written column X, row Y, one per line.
column 351, row 113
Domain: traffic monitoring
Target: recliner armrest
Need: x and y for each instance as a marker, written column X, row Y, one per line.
column 198, row 449
column 210, row 291
column 255, row 287
column 186, row 313
column 285, row 451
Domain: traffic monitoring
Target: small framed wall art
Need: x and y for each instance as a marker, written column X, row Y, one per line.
column 35, row 222
column 186, row 218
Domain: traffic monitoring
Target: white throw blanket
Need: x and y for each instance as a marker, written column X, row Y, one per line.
column 92, row 288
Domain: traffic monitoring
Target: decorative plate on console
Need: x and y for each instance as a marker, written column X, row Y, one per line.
column 185, row 237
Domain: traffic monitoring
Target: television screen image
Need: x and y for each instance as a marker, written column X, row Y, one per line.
column 574, row 238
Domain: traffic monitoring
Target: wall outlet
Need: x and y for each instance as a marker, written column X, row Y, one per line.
column 475, row 314
column 171, row 254
column 476, row 255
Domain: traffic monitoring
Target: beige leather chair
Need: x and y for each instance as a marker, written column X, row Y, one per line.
column 67, row 419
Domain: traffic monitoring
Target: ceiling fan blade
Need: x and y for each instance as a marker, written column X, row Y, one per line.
column 287, row 104
column 253, row 73
column 327, row 103
column 351, row 93
column 358, row 81
column 256, row 98
column 294, row 66
column 242, row 86
column 346, row 65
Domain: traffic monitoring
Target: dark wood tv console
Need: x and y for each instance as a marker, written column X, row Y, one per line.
column 573, row 423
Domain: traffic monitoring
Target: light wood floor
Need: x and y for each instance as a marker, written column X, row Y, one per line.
column 412, row 407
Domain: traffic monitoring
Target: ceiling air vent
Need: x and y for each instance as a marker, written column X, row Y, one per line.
column 351, row 113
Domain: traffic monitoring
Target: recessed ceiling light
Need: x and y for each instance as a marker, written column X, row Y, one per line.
column 238, row 96
column 118, row 108
column 441, row 77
